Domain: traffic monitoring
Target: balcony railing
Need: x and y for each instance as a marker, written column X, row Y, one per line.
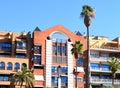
column 105, row 47
column 103, row 59
column 20, row 47
column 99, row 69
column 92, row 58
column 99, row 81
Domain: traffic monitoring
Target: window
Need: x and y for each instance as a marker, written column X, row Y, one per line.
column 80, row 62
column 64, row 70
column 79, row 79
column 59, row 49
column 95, row 65
column 17, row 66
column 5, row 46
column 21, row 45
column 94, row 54
column 9, row 66
column 54, row 69
column 105, row 67
column 20, row 55
column 54, row 80
column 105, row 77
column 37, row 59
column 4, row 77
column 37, row 49
column 2, row 66
column 95, row 77
column 64, row 49
column 24, row 65
column 54, row 48
column 63, row 79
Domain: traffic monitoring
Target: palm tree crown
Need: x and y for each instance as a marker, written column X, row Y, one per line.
column 23, row 76
column 114, row 66
column 87, row 13
column 76, row 49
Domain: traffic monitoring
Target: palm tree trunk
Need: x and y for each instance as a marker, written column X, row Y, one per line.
column 113, row 77
column 88, row 58
column 76, row 74
column 21, row 84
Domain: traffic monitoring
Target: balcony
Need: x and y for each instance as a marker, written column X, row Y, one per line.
column 100, row 59
column 21, row 49
column 105, row 48
column 94, row 69
column 38, row 64
column 79, row 69
column 102, row 81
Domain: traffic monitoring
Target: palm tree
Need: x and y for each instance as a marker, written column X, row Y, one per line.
column 76, row 51
column 87, row 13
column 114, row 66
column 25, row 75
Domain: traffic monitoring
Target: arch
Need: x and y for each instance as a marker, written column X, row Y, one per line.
column 17, row 66
column 24, row 65
column 2, row 66
column 9, row 66
column 61, row 33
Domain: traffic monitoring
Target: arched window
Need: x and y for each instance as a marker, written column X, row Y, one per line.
column 2, row 66
column 9, row 66
column 17, row 66
column 24, row 65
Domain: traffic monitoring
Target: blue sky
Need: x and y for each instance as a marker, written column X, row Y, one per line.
column 20, row 15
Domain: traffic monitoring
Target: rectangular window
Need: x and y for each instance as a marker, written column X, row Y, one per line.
column 21, row 45
column 105, row 77
column 105, row 67
column 95, row 77
column 5, row 46
column 95, row 65
column 59, row 49
column 37, row 49
column 54, row 69
column 54, row 59
column 64, row 79
column 64, row 49
column 59, row 59
column 20, row 55
column 64, row 59
column 37, row 59
column 54, row 80
column 79, row 79
column 94, row 54
column 64, row 70
column 54, row 48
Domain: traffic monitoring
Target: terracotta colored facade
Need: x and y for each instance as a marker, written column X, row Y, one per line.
column 14, row 54
column 52, row 59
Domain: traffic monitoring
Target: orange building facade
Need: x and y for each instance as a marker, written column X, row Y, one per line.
column 52, row 62
column 14, row 54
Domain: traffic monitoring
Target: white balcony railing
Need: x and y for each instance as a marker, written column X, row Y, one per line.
column 99, row 69
column 79, row 69
column 101, row 59
column 99, row 81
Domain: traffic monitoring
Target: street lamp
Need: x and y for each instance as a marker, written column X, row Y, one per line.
column 59, row 79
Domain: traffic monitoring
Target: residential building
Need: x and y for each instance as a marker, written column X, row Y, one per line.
column 14, row 54
column 102, row 50
column 52, row 62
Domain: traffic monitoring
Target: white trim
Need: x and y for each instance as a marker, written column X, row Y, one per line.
column 70, row 65
column 48, row 62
